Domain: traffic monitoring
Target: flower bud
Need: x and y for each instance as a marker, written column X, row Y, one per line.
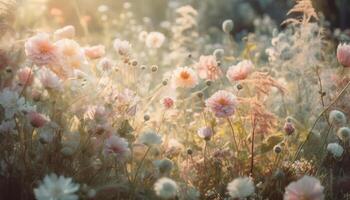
column 37, row 120
column 288, row 128
column 227, row 26
column 343, row 54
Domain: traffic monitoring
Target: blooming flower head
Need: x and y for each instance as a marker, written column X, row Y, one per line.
column 205, row 132
column 56, row 188
column 241, row 188
column 337, row 118
column 227, row 26
column 222, row 103
column 122, row 47
column 50, row 80
column 25, row 76
column 13, row 103
column 289, row 128
column 240, row 71
column 155, row 40
column 307, row 187
column 95, row 52
column 185, row 77
column 65, row 32
column 150, row 138
column 117, row 146
column 335, row 149
column 343, row 54
column 208, row 68
column 40, row 50
column 166, row 188
column 36, row 119
column 344, row 134
column 105, row 64
column 71, row 54
column 168, row 102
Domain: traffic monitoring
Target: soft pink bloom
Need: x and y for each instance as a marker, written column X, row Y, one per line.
column 240, row 71
column 155, row 40
column 40, row 50
column 208, row 68
column 122, row 47
column 307, row 187
column 72, row 56
column 37, row 120
column 50, row 80
column 105, row 64
column 65, row 32
column 95, row 52
column 168, row 102
column 343, row 54
column 289, row 128
column 185, row 77
column 25, row 76
column 97, row 113
column 205, row 132
column 117, row 146
column 222, row 103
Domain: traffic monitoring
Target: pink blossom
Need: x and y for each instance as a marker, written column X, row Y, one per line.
column 40, row 50
column 25, row 76
column 50, row 80
column 185, row 77
column 208, row 68
column 205, row 132
column 155, row 39
column 65, row 32
column 222, row 103
column 37, row 120
column 168, row 102
column 95, row 52
column 122, row 47
column 117, row 146
column 240, row 71
column 343, row 54
column 307, row 187
column 289, row 128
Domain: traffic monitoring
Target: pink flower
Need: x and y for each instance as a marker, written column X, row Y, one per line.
column 343, row 54
column 205, row 132
column 50, row 80
column 40, row 50
column 95, row 52
column 208, row 68
column 37, row 120
column 222, row 103
column 122, row 47
column 307, row 187
column 240, row 71
column 185, row 77
column 25, row 76
column 117, row 146
column 155, row 40
column 72, row 56
column 289, row 128
column 65, row 32
column 168, row 102
column 105, row 64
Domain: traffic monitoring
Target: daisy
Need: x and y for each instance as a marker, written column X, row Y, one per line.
column 240, row 71
column 222, row 103
column 185, row 77
column 208, row 68
column 307, row 187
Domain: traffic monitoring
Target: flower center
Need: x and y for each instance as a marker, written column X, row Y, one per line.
column 184, row 75
column 69, row 51
column 222, row 101
column 45, row 47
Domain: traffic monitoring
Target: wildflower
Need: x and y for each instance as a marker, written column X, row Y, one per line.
column 71, row 54
column 227, row 26
column 105, row 64
column 150, row 138
column 337, row 118
column 56, row 188
column 164, row 165
column 335, row 149
column 205, row 132
column 117, row 146
column 65, row 32
column 25, row 76
column 40, row 50
column 343, row 54
column 240, row 71
column 122, row 47
column 155, row 40
column 277, row 149
column 218, row 53
column 241, row 188
column 344, row 133
column 13, row 103
column 166, row 188
column 185, row 77
column 168, row 102
column 146, row 117
column 208, row 68
column 307, row 187
column 95, row 52
column 50, row 80
column 289, row 128
column 222, row 103
column 36, row 119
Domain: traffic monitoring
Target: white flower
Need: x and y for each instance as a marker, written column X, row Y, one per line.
column 241, row 187
column 337, row 118
column 335, row 149
column 50, row 80
column 123, row 47
column 56, row 188
column 344, row 133
column 165, row 188
column 13, row 103
column 307, row 187
column 150, row 138
column 155, row 40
